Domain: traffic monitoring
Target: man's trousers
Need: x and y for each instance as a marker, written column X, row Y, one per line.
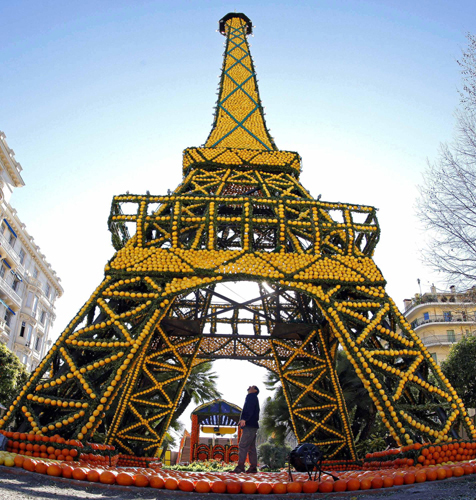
column 248, row 446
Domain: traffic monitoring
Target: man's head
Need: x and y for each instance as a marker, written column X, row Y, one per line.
column 252, row 389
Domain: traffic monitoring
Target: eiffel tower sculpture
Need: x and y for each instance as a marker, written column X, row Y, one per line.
column 239, row 215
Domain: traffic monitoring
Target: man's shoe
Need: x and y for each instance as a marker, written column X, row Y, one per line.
column 238, row 470
column 252, row 470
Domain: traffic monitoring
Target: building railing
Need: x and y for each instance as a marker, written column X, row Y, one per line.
column 441, row 339
column 10, row 296
column 14, row 258
column 32, row 281
column 452, row 317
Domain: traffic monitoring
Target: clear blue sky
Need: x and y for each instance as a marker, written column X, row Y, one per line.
column 101, row 97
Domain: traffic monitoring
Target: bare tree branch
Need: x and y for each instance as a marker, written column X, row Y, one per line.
column 447, row 203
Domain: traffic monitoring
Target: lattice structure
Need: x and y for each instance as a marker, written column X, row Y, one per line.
column 240, row 214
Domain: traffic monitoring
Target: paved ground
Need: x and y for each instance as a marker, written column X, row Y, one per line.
column 18, row 484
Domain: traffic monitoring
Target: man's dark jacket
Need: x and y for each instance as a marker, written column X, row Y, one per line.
column 250, row 412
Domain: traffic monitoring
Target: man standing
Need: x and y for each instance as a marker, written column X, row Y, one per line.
column 249, row 423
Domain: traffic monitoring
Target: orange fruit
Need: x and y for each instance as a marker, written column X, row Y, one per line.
column 377, row 482
column 365, row 483
column 141, row 480
column 249, row 487
column 54, row 470
column 156, row 482
column 310, row 486
column 432, row 474
column 398, row 479
column 420, row 476
column 409, row 478
column 202, row 487
column 233, row 487
column 441, row 473
column 294, row 487
column 279, row 488
column 326, row 486
column 458, row 471
column 66, row 471
column 93, row 476
column 387, row 482
column 29, row 464
column 218, row 487
column 468, row 468
column 79, row 474
column 266, row 488
column 171, row 483
column 185, row 485
column 18, row 460
column 41, row 467
column 340, row 485
column 353, row 484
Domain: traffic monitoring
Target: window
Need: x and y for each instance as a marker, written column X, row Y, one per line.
column 22, row 256
column 15, row 285
column 426, row 316
column 12, row 239
column 29, row 332
column 8, row 317
column 2, row 270
column 451, row 335
column 22, row 329
column 35, row 273
column 42, row 317
column 47, row 289
column 434, row 356
column 35, row 304
column 447, row 316
column 38, row 344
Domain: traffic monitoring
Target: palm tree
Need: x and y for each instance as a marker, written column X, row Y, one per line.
column 276, row 419
column 199, row 388
column 359, row 403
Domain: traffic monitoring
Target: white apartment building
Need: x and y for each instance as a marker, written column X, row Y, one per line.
column 28, row 285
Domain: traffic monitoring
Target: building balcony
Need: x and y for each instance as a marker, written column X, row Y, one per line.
column 445, row 318
column 9, row 296
column 7, row 253
column 434, row 340
column 22, row 342
column 29, row 280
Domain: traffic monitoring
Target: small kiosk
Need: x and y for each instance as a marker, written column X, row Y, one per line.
column 220, row 419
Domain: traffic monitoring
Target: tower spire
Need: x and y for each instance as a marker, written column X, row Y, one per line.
column 239, row 136
column 239, row 120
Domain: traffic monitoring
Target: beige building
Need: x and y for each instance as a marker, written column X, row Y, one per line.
column 29, row 286
column 442, row 319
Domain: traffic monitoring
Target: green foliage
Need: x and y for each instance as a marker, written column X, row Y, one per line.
column 361, row 408
column 13, row 375
column 276, row 419
column 273, row 454
column 460, row 367
column 204, row 466
column 199, row 388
